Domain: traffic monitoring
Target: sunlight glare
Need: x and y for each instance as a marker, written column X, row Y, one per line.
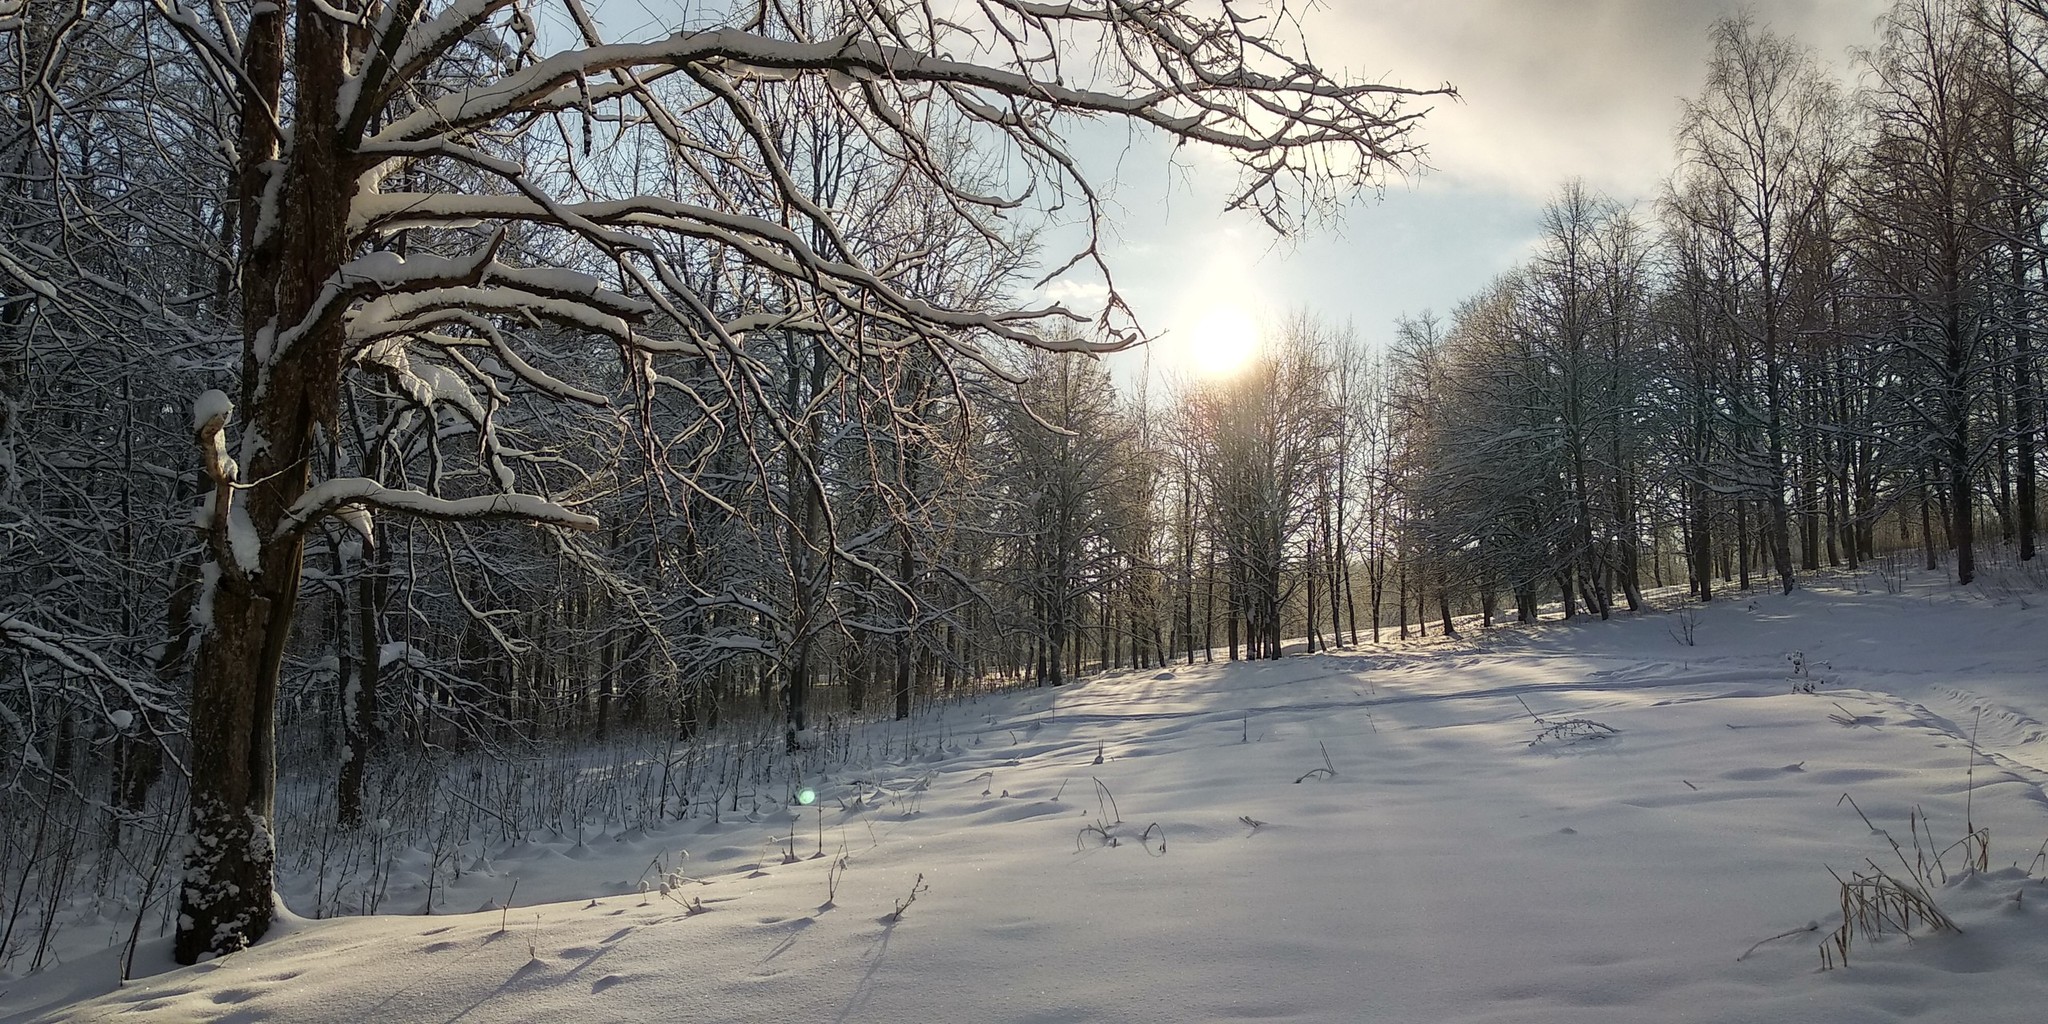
column 1222, row 341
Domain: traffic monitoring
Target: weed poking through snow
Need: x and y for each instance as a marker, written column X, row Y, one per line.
column 1105, row 807
column 904, row 903
column 1096, row 828
column 506, row 910
column 834, row 874
column 1326, row 772
column 1872, row 904
column 1102, row 794
column 1685, row 625
column 1574, row 730
column 1848, row 719
column 1104, row 831
column 1876, row 901
column 1145, row 837
column 1568, row 731
column 1152, row 839
column 1811, row 926
column 1803, row 679
column 917, row 791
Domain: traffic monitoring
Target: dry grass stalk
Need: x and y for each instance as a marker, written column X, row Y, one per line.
column 1873, row 904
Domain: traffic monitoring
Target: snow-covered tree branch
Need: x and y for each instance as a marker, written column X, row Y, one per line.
column 443, row 210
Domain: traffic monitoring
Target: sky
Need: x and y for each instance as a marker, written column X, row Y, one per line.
column 1549, row 90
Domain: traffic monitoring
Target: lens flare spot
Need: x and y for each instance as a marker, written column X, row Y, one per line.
column 807, row 797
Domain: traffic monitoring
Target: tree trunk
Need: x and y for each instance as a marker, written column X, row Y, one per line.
column 1962, row 510
column 1314, row 637
column 1927, row 518
column 1742, row 545
column 225, row 902
column 802, row 540
column 1232, row 624
column 359, row 702
column 2023, row 404
column 1209, row 612
column 1703, row 544
column 906, row 566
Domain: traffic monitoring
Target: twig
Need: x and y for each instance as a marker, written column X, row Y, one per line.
column 904, row 903
column 1147, row 834
column 1811, row 926
column 1328, row 770
column 1102, row 792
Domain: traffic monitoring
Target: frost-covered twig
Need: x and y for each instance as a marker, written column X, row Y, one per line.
column 332, row 495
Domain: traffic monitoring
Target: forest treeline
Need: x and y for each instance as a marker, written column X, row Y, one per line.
column 385, row 383
column 764, row 448
column 1817, row 344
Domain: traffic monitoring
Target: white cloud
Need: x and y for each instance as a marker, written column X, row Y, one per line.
column 1556, row 89
column 1080, row 296
column 1551, row 90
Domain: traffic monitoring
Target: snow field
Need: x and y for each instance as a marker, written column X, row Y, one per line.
column 1449, row 869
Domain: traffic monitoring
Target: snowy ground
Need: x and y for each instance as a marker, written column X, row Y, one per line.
column 1442, row 869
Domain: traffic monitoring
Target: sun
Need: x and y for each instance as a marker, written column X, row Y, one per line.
column 1222, row 341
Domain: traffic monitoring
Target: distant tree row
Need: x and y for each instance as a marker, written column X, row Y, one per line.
column 1822, row 334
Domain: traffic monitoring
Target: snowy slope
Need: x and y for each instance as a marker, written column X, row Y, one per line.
column 1447, row 870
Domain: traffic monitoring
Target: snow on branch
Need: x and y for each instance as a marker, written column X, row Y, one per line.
column 1244, row 84
column 72, row 655
column 400, row 54
column 15, row 269
column 770, row 246
column 406, row 314
column 508, row 357
column 210, row 412
column 378, row 273
column 1005, row 69
column 334, row 495
column 748, row 55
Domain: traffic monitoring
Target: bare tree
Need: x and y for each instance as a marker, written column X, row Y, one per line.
column 505, row 165
column 1068, row 447
column 1926, row 206
column 1264, row 439
column 1756, row 146
column 2015, row 34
